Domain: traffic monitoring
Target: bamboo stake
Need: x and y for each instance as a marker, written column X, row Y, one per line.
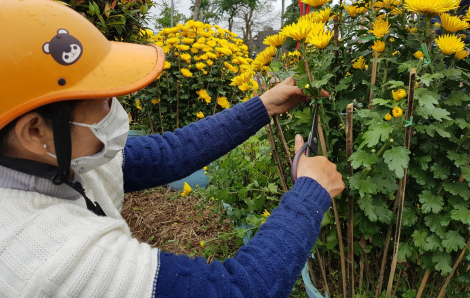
column 215, row 103
column 361, row 271
column 349, row 151
column 150, row 120
column 401, row 191
column 282, row 139
column 461, row 175
column 423, row 284
column 277, row 159
column 321, row 136
column 373, row 79
column 341, row 248
column 322, row 268
column 442, row 292
column 398, row 281
column 160, row 111
column 177, row 103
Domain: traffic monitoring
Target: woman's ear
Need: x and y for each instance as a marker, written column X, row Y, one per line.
column 33, row 133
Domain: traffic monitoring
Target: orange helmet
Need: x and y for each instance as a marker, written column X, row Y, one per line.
column 51, row 53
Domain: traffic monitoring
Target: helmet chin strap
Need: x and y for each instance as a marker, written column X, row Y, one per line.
column 58, row 175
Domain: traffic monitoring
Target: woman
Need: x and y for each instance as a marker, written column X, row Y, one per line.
column 65, row 164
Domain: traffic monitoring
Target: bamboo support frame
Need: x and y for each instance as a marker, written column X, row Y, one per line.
column 282, row 139
column 177, row 104
column 442, row 292
column 323, row 273
column 277, row 159
column 423, row 284
column 373, row 80
column 401, row 191
column 350, row 233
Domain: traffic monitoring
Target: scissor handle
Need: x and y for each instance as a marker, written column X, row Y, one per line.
column 296, row 161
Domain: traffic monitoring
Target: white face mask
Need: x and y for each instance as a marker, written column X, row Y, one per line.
column 112, row 131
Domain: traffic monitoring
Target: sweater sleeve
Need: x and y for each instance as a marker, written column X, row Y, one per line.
column 267, row 266
column 154, row 160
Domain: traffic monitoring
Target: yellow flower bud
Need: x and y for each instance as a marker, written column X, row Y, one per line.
column 399, row 95
column 388, row 117
column 397, row 112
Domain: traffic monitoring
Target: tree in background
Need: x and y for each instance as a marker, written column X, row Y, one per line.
column 256, row 18
column 164, row 18
column 117, row 20
column 207, row 12
column 232, row 7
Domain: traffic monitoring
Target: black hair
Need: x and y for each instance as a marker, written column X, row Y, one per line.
column 46, row 112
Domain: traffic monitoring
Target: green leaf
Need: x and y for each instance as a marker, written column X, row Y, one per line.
column 375, row 210
column 460, row 213
column 466, row 174
column 423, row 161
column 362, row 158
column 304, row 116
column 419, row 238
column 456, row 99
column 253, row 220
column 427, row 97
column 344, row 83
column 364, row 186
column 433, row 243
column 397, row 159
column 272, row 187
column 409, row 217
column 427, row 78
column 453, row 241
column 384, row 102
column 436, row 113
column 404, row 251
column 459, row 159
column 433, row 221
column 458, row 188
column 439, row 171
column 443, row 262
column 431, row 203
column 394, row 84
column 377, row 133
column 462, row 123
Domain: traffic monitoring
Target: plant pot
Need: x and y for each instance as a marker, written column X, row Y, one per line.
column 312, row 292
column 196, row 178
column 136, row 133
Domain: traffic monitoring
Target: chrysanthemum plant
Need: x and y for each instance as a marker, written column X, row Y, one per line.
column 362, row 53
column 201, row 62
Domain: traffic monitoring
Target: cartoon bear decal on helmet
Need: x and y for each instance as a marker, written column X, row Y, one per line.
column 64, row 48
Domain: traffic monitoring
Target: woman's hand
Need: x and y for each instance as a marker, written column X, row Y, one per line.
column 320, row 169
column 285, row 96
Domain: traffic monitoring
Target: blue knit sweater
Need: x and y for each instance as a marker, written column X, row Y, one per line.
column 271, row 262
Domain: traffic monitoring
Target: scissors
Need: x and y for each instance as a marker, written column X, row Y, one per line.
column 310, row 147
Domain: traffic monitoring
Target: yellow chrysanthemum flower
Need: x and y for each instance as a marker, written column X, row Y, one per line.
column 413, row 30
column 320, row 40
column 460, row 55
column 167, row 65
column 419, row 55
column 380, row 27
column 200, row 65
column 182, row 47
column 399, row 95
column 253, row 85
column 200, row 115
column 186, row 73
column 223, row 102
column 352, row 10
column 450, row 44
column 172, row 41
column 321, row 16
column 397, row 112
column 379, row 46
column 138, row 105
column 211, row 55
column 204, row 95
column 198, row 46
column 155, row 101
column 298, row 31
column 466, row 17
column 185, row 56
column 264, row 58
column 275, row 40
column 211, row 43
column 360, row 64
column 315, row 3
column 210, row 62
column 452, row 24
column 431, row 8
column 396, row 12
column 387, row 4
column 242, row 78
